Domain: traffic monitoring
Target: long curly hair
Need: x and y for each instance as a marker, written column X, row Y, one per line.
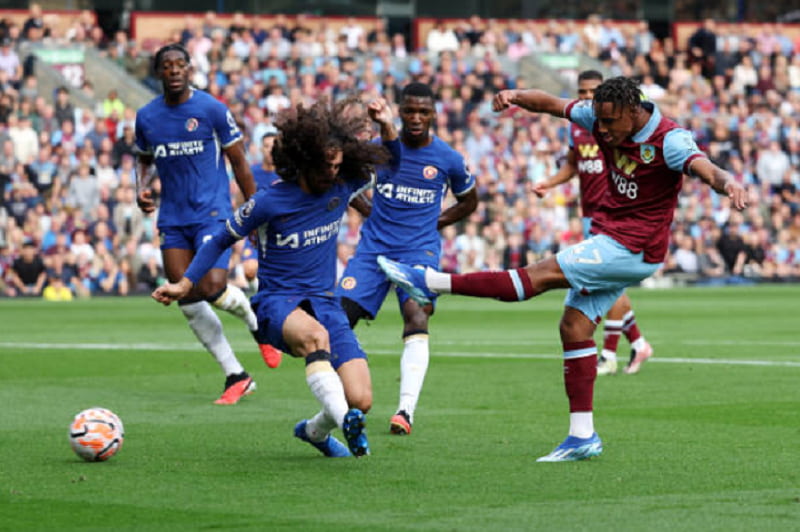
column 308, row 133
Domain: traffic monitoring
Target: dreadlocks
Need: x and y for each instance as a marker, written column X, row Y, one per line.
column 308, row 133
column 168, row 48
column 619, row 91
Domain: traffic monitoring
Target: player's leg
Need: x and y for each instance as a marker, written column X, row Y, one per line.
column 509, row 285
column 580, row 371
column 612, row 330
column 308, row 338
column 640, row 348
column 413, row 364
column 207, row 327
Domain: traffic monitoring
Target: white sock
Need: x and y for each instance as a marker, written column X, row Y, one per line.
column 437, row 281
column 234, row 301
column 208, row 329
column 638, row 344
column 609, row 355
column 319, row 426
column 327, row 388
column 581, row 424
column 413, row 366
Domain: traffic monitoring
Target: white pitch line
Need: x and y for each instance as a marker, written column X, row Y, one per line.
column 523, row 356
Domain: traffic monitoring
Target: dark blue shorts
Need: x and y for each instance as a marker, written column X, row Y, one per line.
column 366, row 284
column 272, row 311
column 193, row 236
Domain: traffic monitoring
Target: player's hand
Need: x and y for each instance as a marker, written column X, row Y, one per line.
column 737, row 194
column 170, row 292
column 380, row 111
column 145, row 201
column 503, row 100
column 539, row 189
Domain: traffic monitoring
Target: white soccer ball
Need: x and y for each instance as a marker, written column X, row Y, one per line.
column 96, row 434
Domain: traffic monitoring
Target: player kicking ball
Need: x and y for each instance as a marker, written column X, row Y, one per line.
column 647, row 155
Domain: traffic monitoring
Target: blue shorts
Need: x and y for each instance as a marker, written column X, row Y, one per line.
column 365, row 283
column 273, row 309
column 193, row 236
column 598, row 270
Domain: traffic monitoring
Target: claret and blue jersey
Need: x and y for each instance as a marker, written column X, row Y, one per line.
column 186, row 142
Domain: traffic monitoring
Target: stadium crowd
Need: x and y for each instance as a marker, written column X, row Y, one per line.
column 69, row 224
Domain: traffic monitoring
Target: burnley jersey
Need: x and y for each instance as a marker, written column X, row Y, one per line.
column 592, row 169
column 644, row 179
column 296, row 230
column 186, row 142
column 408, row 197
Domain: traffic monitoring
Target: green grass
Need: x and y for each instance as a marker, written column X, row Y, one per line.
column 704, row 438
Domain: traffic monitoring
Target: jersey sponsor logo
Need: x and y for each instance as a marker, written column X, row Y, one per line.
column 177, row 149
column 647, row 153
column 624, row 164
column 290, row 241
column 348, row 283
column 192, row 124
column 588, row 151
column 310, row 237
column 430, row 172
column 334, row 202
column 417, row 196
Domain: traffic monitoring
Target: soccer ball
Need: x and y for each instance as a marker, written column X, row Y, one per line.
column 96, row 434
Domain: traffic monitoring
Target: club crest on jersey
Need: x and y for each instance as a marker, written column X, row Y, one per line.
column 191, row 124
column 647, row 152
column 429, row 172
column 334, row 202
column 348, row 283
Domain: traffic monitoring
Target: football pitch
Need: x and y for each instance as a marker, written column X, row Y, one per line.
column 705, row 437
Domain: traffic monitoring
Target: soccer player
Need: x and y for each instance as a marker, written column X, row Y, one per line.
column 322, row 166
column 404, row 224
column 647, row 155
column 181, row 137
column 585, row 159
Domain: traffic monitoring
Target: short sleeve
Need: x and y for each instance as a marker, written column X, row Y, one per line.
column 581, row 112
column 140, row 140
column 680, row 149
column 224, row 124
column 461, row 179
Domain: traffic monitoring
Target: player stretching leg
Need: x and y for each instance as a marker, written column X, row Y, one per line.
column 404, row 224
column 647, row 155
column 184, row 134
column 585, row 159
column 323, row 165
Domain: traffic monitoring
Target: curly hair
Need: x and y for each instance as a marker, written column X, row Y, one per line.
column 178, row 47
column 620, row 91
column 307, row 133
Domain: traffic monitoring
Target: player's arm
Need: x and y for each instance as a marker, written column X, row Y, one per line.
column 202, row 262
column 362, row 204
column 720, row 180
column 145, row 172
column 564, row 174
column 241, row 170
column 534, row 100
column 381, row 113
column 464, row 206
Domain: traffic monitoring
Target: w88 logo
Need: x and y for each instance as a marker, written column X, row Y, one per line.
column 625, row 186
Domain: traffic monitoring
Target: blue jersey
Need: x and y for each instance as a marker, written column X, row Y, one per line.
column 297, row 230
column 186, row 143
column 408, row 197
column 262, row 178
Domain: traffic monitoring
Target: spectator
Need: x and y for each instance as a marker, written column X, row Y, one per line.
column 27, row 273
